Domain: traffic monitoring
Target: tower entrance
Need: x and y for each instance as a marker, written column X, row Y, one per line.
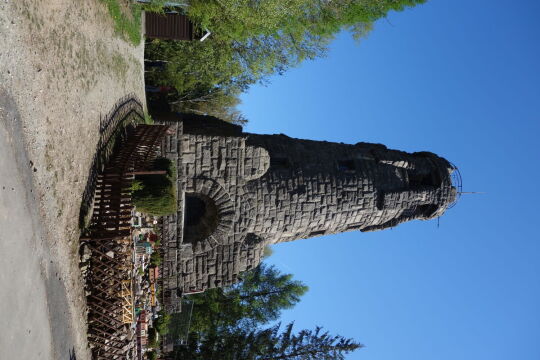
column 200, row 217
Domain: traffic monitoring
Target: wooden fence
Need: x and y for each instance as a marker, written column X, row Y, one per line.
column 109, row 276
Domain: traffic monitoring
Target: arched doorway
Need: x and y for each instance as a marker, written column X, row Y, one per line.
column 200, row 217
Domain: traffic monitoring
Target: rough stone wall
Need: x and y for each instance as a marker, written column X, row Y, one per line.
column 247, row 191
column 219, row 168
column 314, row 188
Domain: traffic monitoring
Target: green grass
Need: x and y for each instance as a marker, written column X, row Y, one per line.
column 148, row 119
column 154, row 6
column 127, row 25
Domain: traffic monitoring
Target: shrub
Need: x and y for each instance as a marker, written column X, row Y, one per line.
column 156, row 194
column 155, row 259
column 162, row 323
column 153, row 338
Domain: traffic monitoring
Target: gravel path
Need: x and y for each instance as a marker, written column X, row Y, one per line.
column 61, row 69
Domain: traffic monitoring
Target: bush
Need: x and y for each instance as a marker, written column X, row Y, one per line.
column 162, row 322
column 153, row 338
column 155, row 259
column 156, row 6
column 156, row 194
column 151, row 355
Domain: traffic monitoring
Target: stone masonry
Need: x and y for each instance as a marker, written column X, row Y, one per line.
column 239, row 192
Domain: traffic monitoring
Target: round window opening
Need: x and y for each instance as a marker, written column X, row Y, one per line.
column 200, row 217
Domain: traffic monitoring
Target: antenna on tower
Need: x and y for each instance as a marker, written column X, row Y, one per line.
column 457, row 182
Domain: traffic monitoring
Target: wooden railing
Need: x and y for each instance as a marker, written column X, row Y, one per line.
column 110, row 272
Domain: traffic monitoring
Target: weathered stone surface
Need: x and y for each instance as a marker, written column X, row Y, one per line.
column 258, row 190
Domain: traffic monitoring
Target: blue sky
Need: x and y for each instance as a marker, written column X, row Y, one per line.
column 461, row 79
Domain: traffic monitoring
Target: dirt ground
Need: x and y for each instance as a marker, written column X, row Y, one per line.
column 62, row 68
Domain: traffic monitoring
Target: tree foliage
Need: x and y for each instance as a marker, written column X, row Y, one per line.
column 257, row 299
column 266, row 291
column 270, row 344
column 161, row 324
column 153, row 341
column 228, row 323
column 152, row 355
column 216, row 102
column 306, row 344
column 251, row 41
column 244, row 19
column 155, row 259
column 155, row 194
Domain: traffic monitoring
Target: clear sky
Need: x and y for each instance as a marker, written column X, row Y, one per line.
column 459, row 78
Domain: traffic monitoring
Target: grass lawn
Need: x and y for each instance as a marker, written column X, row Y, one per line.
column 127, row 19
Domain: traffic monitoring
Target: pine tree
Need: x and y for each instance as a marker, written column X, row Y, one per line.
column 256, row 300
column 307, row 345
column 270, row 344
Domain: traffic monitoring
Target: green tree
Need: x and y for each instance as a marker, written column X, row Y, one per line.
column 226, row 323
column 244, row 19
column 161, row 324
column 196, row 68
column 151, row 355
column 251, row 41
column 305, row 345
column 216, row 102
column 153, row 342
column 269, row 344
column 265, row 291
column 256, row 300
column 155, row 259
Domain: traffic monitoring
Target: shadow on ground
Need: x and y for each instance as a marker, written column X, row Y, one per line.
column 127, row 110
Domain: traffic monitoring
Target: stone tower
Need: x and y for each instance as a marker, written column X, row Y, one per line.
column 238, row 192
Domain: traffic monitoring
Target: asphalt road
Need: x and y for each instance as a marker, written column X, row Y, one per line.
column 35, row 322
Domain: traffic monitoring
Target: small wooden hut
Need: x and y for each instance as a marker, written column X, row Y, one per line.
column 170, row 26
